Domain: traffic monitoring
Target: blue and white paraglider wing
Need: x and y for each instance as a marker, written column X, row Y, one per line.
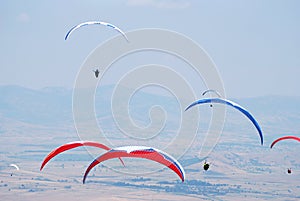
column 234, row 105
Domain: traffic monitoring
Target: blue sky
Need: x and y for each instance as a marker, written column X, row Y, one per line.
column 255, row 44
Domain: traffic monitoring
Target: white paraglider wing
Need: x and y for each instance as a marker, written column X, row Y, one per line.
column 212, row 91
column 97, row 23
column 15, row 166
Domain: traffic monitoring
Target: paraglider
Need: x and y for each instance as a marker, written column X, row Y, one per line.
column 206, row 166
column 284, row 138
column 73, row 145
column 96, row 73
column 15, row 166
column 234, row 105
column 140, row 152
column 289, row 170
column 212, row 91
column 95, row 23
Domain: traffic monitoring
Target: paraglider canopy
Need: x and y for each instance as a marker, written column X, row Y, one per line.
column 72, row 145
column 212, row 91
column 15, row 166
column 234, row 105
column 95, row 23
column 285, row 138
column 140, row 152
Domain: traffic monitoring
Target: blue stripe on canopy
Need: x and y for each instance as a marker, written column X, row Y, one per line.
column 232, row 104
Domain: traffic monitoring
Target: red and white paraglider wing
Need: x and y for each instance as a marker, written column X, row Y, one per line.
column 72, row 145
column 140, row 152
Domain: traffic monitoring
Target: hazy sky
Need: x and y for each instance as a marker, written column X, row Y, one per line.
column 255, row 44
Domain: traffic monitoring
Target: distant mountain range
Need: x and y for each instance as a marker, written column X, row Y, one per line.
column 53, row 106
column 46, row 106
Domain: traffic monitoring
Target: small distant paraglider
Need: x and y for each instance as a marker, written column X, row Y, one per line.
column 289, row 170
column 212, row 91
column 15, row 166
